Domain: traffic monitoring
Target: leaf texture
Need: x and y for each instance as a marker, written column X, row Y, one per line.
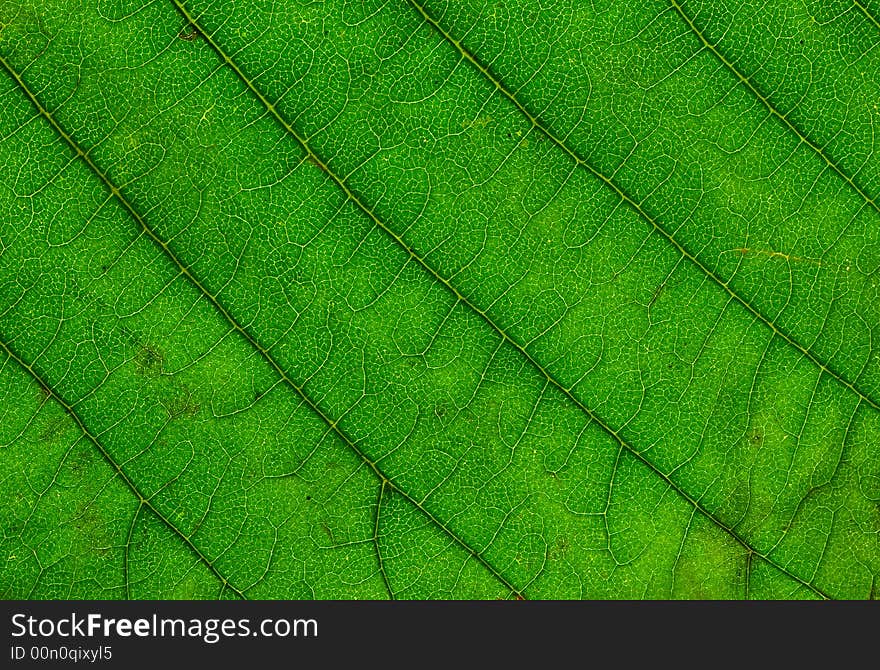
column 415, row 299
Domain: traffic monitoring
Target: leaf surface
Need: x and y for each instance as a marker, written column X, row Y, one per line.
column 412, row 299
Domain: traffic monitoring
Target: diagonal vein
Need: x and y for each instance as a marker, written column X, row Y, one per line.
column 359, row 202
column 142, row 499
column 864, row 10
column 635, row 206
column 169, row 253
column 772, row 108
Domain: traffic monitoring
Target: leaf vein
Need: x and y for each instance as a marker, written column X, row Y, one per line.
column 359, row 202
column 264, row 353
column 753, row 88
column 143, row 500
column 641, row 211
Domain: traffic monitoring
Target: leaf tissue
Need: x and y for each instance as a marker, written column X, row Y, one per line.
column 439, row 299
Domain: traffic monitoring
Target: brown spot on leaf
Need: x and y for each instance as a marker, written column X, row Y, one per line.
column 54, row 429
column 188, row 33
column 182, row 404
column 149, row 360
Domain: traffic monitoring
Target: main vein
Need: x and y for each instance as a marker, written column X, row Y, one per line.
column 359, row 202
column 635, row 206
column 142, row 499
column 247, row 336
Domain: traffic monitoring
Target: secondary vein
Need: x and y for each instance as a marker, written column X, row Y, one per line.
column 772, row 108
column 143, row 500
column 635, row 206
column 237, row 327
column 359, row 202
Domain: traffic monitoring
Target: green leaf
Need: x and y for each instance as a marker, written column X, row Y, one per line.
column 417, row 299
